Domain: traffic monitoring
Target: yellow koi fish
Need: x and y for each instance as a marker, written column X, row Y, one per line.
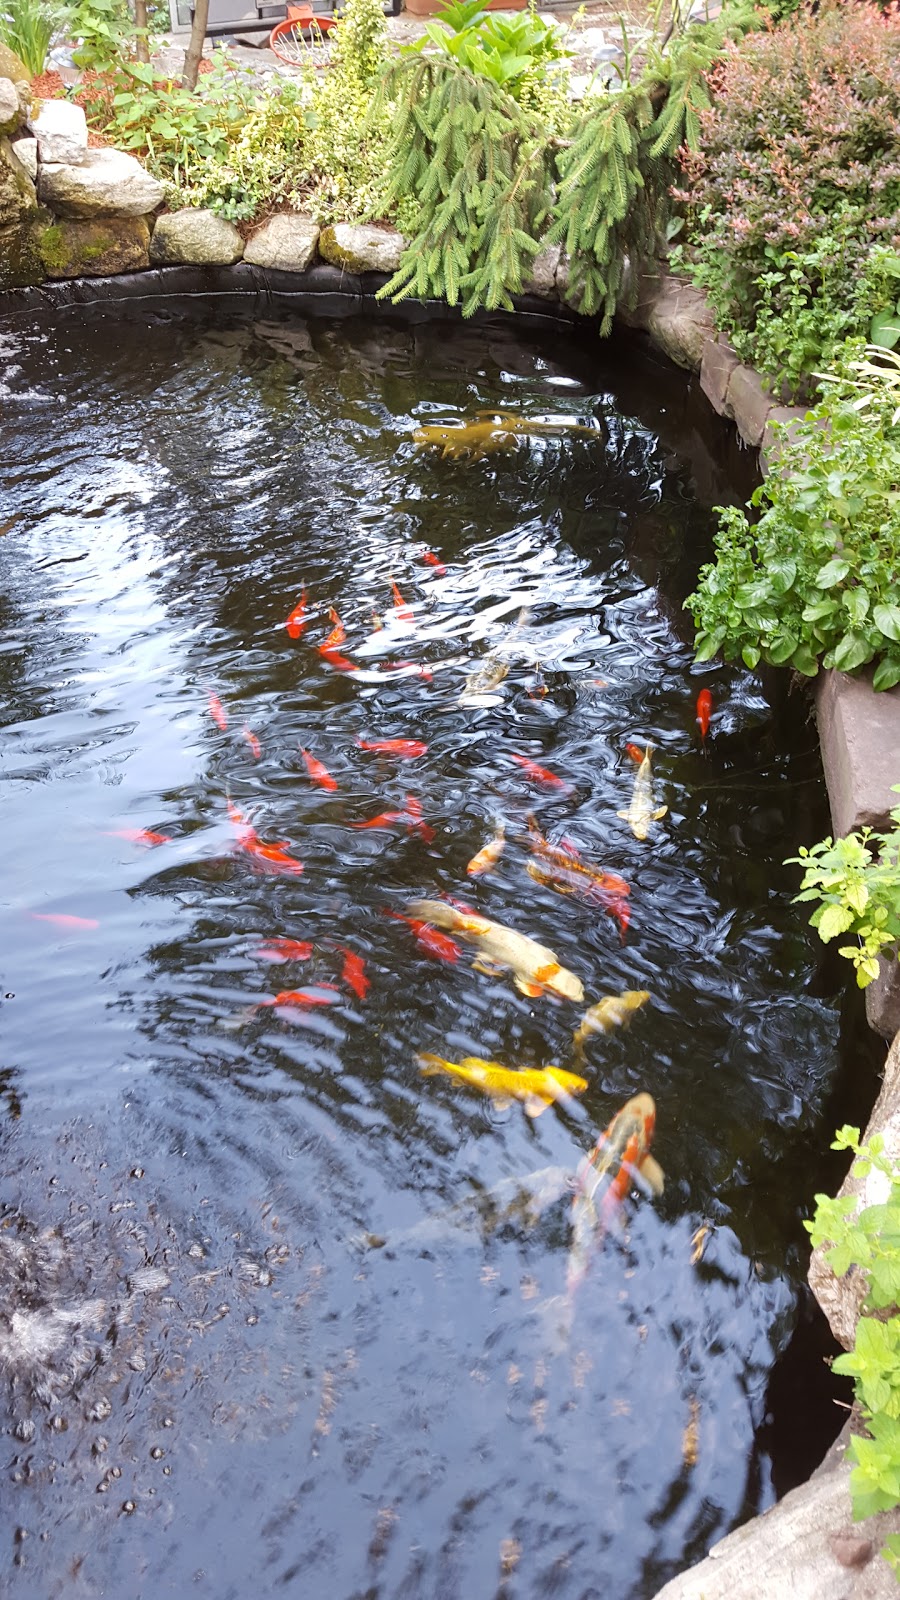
column 495, row 431
column 535, row 968
column 642, row 810
column 536, row 1087
column 613, row 1011
column 488, row 856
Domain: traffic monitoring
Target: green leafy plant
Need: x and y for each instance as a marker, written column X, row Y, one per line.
column 28, row 26
column 814, row 581
column 856, row 882
column 868, row 1238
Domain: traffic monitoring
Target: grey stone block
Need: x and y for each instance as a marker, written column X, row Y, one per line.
column 749, row 402
column 859, row 732
column 717, row 363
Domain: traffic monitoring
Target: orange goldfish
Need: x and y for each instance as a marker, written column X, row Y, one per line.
column 619, row 1159
column 217, row 712
column 704, row 712
column 252, row 741
column 317, row 772
column 406, row 749
column 284, row 950
column 335, row 659
column 635, row 752
column 434, row 943
column 433, row 561
column 338, row 633
column 488, row 856
column 299, row 997
column 536, row 1087
column 61, row 919
column 354, row 972
column 541, row 774
column 412, row 816
column 273, row 858
column 563, row 870
column 402, row 611
column 139, row 835
column 296, row 622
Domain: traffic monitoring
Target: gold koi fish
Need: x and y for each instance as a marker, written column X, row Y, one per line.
column 480, row 685
column 613, row 1011
column 535, row 968
column 536, row 1087
column 495, row 431
column 642, row 810
column 488, row 856
column 564, row 870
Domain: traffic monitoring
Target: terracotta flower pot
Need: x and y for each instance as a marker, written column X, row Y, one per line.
column 430, row 8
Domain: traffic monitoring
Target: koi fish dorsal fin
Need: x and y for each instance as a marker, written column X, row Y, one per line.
column 652, row 1173
column 532, row 990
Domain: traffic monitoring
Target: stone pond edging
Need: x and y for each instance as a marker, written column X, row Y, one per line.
column 80, row 226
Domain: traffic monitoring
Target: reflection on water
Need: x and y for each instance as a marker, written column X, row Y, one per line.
column 263, row 1327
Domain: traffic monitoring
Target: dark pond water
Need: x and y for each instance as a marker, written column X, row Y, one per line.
column 235, row 1361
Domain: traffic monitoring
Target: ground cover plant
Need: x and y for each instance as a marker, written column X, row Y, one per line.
column 794, row 180
column 855, row 882
column 868, row 1238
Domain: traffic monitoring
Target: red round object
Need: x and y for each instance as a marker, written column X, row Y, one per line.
column 286, row 39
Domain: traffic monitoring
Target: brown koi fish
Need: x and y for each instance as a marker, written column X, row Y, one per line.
column 495, row 431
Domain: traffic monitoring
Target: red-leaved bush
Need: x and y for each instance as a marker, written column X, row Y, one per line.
column 799, row 163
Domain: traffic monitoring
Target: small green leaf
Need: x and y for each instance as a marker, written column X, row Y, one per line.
column 832, row 573
column 887, row 619
column 751, row 654
column 834, row 920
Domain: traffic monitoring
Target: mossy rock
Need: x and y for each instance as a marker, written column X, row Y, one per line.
column 12, row 66
column 358, row 247
column 20, row 262
column 18, row 196
column 93, row 249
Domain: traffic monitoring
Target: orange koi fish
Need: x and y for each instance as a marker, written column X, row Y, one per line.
column 635, row 752
column 338, row 633
column 402, row 611
column 412, row 816
column 138, row 835
column 299, row 997
column 704, row 712
column 488, row 855
column 432, row 560
column 541, row 774
column 563, row 869
column 61, row 919
column 217, row 712
column 353, row 973
column 406, row 749
column 336, row 660
column 432, row 942
column 317, row 772
column 619, row 1159
column 297, row 620
column 284, row 950
column 251, row 739
column 272, row 858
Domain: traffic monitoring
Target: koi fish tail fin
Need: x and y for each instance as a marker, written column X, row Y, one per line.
column 429, row 1065
column 625, row 815
column 659, row 813
column 652, row 1173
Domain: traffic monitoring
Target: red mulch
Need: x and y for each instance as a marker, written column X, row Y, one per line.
column 48, row 86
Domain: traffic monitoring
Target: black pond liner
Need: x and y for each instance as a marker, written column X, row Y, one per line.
column 805, row 1401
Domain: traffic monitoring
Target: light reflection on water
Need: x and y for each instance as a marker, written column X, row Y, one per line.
column 334, row 1415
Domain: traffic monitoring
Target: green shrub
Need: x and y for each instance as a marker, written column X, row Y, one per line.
column 856, row 882
column 815, row 580
column 869, row 1239
column 796, row 177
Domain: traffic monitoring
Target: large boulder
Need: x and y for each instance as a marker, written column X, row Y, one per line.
column 197, row 238
column 286, row 242
column 108, row 183
column 20, row 263
column 17, row 193
column 10, row 108
column 95, row 249
column 359, row 247
column 541, row 279
column 12, row 66
column 61, row 132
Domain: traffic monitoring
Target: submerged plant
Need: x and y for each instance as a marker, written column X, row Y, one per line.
column 855, row 881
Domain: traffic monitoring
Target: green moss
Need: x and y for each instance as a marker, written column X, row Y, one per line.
column 51, row 246
column 20, row 262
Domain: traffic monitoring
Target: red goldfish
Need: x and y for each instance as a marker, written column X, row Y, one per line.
column 704, row 712
column 272, row 858
column 336, row 660
column 354, row 972
column 284, row 950
column 402, row 611
column 432, row 560
column 433, row 943
column 296, row 622
column 63, row 920
column 635, row 752
column 299, row 997
column 317, row 772
column 412, row 816
column 138, row 835
column 217, row 712
column 252, row 741
column 406, row 749
column 542, row 775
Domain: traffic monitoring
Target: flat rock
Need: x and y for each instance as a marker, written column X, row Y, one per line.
column 681, row 320
column 60, row 128
column 10, row 111
column 717, row 363
column 26, row 151
column 93, row 249
column 108, row 183
column 18, row 198
column 198, row 238
column 286, row 243
column 841, row 1298
column 807, row 1547
column 859, row 732
column 359, row 247
column 749, row 402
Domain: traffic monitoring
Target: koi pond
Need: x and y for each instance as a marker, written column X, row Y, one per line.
column 281, row 1312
